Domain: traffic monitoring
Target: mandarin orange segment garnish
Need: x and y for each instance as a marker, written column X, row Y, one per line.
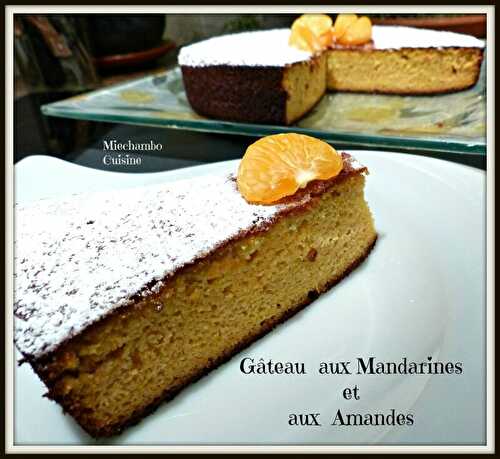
column 278, row 165
column 304, row 39
column 342, row 22
column 326, row 38
column 311, row 32
column 358, row 33
column 351, row 30
column 318, row 23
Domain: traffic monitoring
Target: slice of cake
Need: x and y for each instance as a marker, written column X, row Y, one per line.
column 254, row 77
column 124, row 298
column 406, row 60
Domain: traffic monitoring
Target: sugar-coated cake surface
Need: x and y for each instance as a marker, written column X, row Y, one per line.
column 396, row 37
column 78, row 259
column 270, row 47
column 258, row 48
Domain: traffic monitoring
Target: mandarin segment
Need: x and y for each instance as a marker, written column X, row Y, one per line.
column 304, row 39
column 317, row 23
column 277, row 166
column 311, row 32
column 326, row 38
column 342, row 22
column 357, row 33
column 315, row 33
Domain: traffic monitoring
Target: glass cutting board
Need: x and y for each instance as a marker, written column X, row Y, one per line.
column 454, row 123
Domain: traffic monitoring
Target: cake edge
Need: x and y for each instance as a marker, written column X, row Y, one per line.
column 169, row 394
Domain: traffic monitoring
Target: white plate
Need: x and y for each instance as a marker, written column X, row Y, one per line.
column 420, row 293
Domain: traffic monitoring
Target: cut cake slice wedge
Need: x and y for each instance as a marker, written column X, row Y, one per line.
column 124, row 298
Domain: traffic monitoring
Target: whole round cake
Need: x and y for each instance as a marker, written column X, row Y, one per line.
column 263, row 77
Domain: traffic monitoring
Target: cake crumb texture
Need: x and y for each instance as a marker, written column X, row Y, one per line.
column 408, row 71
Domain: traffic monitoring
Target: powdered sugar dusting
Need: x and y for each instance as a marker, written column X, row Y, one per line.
column 396, row 37
column 260, row 48
column 78, row 259
column 270, row 47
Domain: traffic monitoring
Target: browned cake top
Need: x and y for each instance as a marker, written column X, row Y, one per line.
column 78, row 259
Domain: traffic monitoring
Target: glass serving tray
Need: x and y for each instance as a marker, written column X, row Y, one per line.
column 454, row 123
